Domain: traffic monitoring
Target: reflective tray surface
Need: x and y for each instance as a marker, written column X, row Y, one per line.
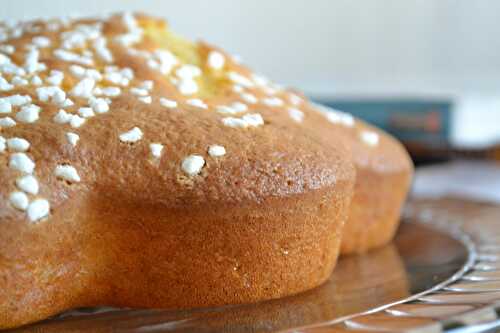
column 441, row 273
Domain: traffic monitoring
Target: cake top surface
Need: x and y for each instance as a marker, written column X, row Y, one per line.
column 121, row 107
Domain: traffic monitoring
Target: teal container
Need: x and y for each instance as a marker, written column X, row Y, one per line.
column 426, row 122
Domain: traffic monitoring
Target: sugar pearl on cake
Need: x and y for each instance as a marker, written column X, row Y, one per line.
column 197, row 103
column 76, row 121
column 187, row 87
column 7, row 122
column 53, row 93
column 7, row 48
column 193, row 164
column 139, row 91
column 86, row 112
column 370, row 138
column 295, row 100
column 188, row 71
column 62, row 117
column 19, row 100
column 111, row 91
column 273, row 101
column 21, row 162
column 102, row 50
column 234, row 122
column 38, row 209
column 18, row 144
column 19, row 81
column 77, row 70
column 99, row 105
column 260, row 80
column 83, row 88
column 28, row 184
column 148, row 85
column 31, row 63
column 240, row 79
column 5, row 85
column 67, row 103
column 296, row 114
column 41, row 41
column 19, row 200
column 5, row 106
column 239, row 107
column 146, row 99
column 3, row 144
column 216, row 60
column 28, row 114
column 67, row 172
column 248, row 120
column 216, row 151
column 36, row 80
column 249, row 98
column 56, row 77
column 224, row 109
column 237, row 88
column 168, row 103
column 72, row 138
column 156, row 149
column 338, row 117
column 134, row 135
column 253, row 119
column 68, row 56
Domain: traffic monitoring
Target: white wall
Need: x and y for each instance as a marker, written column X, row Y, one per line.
column 340, row 47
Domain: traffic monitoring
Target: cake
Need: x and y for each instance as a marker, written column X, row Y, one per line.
column 138, row 169
column 384, row 172
column 382, row 269
column 383, row 177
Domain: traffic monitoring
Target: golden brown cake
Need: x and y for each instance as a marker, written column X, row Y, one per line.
column 138, row 169
column 382, row 270
column 383, row 177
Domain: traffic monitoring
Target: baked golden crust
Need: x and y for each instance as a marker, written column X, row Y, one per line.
column 384, row 172
column 383, row 179
column 160, row 184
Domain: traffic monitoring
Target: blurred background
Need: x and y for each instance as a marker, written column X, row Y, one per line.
column 427, row 71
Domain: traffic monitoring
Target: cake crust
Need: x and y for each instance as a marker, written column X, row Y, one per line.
column 154, row 176
column 384, row 173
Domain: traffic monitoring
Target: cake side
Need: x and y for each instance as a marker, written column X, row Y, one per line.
column 384, row 172
column 384, row 178
column 140, row 256
column 140, row 169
